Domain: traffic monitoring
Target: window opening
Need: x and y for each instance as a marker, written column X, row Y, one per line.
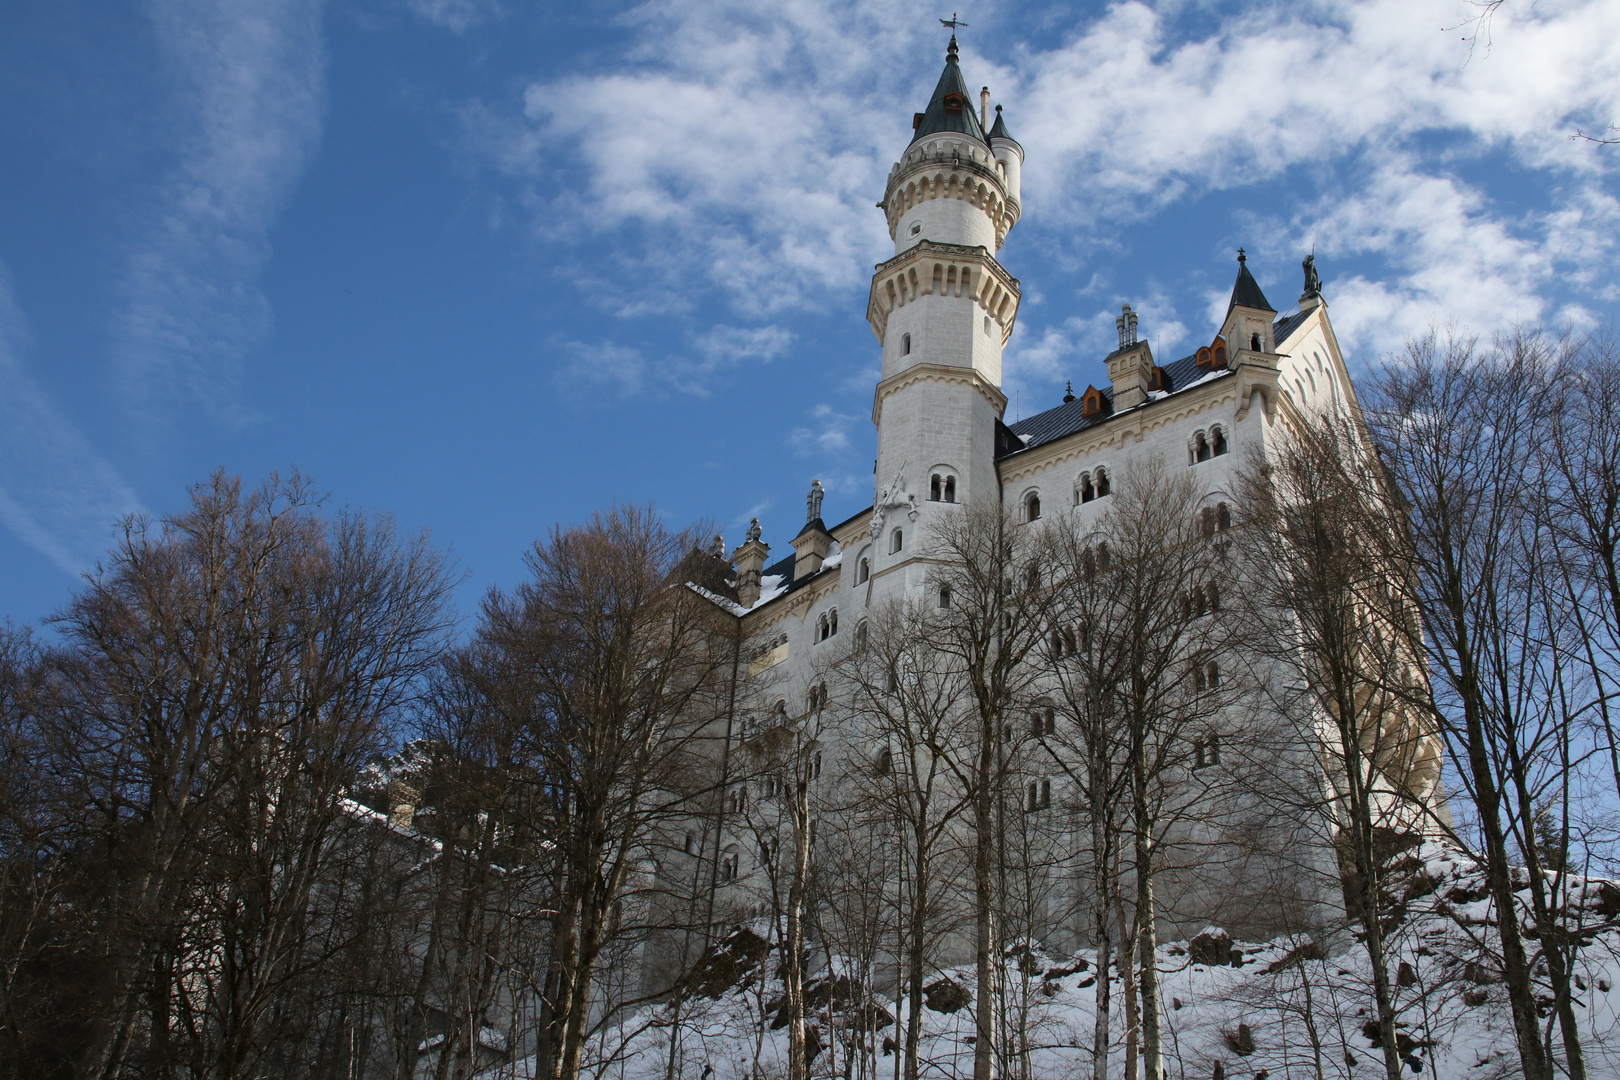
column 1102, row 483
column 950, row 489
column 863, row 570
column 1032, row 507
column 832, row 622
column 1218, row 438
column 895, row 540
column 1200, row 448
column 1223, row 517
column 1212, row 675
column 691, row 845
column 1087, row 492
column 885, row 762
column 1254, row 342
column 936, row 488
column 905, row 344
column 944, row 596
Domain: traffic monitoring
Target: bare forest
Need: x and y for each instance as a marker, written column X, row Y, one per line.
column 269, row 807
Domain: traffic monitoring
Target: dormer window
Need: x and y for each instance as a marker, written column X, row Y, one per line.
column 1093, row 404
column 954, row 102
column 1159, row 380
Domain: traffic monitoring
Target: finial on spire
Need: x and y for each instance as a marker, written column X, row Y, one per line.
column 813, row 501
column 1068, row 391
column 1242, row 258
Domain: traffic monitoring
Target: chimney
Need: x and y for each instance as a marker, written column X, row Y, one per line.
column 1130, row 367
column 813, row 541
column 984, row 107
column 750, row 561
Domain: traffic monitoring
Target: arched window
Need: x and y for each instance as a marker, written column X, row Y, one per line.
column 905, row 344
column 821, row 628
column 936, row 488
column 860, row 636
column 815, row 766
column 1103, row 556
column 1043, row 722
column 885, row 762
column 944, row 596
column 1212, row 674
column 1087, row 491
column 1254, row 341
column 1197, row 675
column 1102, row 483
column 863, row 570
column 832, row 622
column 1039, row 795
column 950, row 489
column 1206, row 521
column 1032, row 507
column 737, row 802
column 1223, row 517
column 1218, row 441
column 895, row 541
column 691, row 845
column 1213, row 591
column 730, row 863
column 1200, row 448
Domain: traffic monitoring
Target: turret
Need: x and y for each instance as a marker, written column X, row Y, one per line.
column 810, row 547
column 1010, row 156
column 750, row 562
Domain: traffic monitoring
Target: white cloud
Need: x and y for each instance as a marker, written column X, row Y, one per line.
column 602, row 367
column 739, row 150
column 456, row 15
column 829, row 434
column 57, row 494
column 248, row 116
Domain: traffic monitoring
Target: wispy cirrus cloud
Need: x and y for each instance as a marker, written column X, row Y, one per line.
column 248, row 106
column 57, row 494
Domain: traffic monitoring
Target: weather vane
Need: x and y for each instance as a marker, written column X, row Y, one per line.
column 953, row 22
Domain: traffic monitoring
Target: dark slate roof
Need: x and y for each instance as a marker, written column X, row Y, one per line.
column 1066, row 419
column 782, row 568
column 1287, row 325
column 937, row 117
column 998, row 130
column 813, row 525
column 1246, row 290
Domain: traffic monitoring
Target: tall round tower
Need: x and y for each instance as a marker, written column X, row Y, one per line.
column 942, row 308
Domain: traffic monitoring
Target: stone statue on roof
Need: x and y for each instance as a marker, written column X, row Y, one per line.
column 813, row 501
column 1313, row 284
column 754, row 531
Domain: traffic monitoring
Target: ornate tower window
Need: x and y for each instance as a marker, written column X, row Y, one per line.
column 896, row 541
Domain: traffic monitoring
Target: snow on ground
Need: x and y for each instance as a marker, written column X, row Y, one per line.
column 1290, row 1007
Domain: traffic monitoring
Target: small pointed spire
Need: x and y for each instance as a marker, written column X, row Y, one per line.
column 950, row 51
column 1245, row 290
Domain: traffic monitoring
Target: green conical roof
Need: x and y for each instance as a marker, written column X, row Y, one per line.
column 1246, row 291
column 961, row 119
column 998, row 130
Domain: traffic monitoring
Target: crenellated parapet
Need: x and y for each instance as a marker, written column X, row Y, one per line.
column 950, row 168
column 970, row 274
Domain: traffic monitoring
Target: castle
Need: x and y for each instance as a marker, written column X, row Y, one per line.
column 942, row 309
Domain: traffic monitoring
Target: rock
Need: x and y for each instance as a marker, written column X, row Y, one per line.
column 1241, row 1041
column 945, row 996
column 1212, row 948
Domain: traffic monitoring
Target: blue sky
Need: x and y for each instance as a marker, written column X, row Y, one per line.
column 488, row 265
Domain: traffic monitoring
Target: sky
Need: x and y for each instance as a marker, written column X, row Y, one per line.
column 487, row 266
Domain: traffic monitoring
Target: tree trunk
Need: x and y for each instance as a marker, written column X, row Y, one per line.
column 793, row 962
column 984, row 888
column 1102, row 884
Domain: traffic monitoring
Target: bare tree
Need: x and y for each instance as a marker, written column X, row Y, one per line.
column 1322, row 539
column 624, row 663
column 908, row 700
column 995, row 572
column 1460, row 430
column 1136, row 658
